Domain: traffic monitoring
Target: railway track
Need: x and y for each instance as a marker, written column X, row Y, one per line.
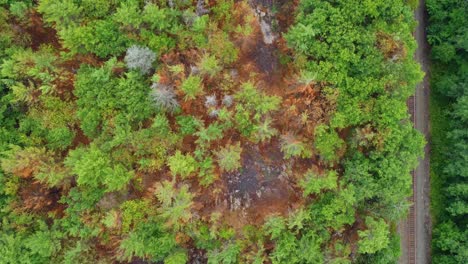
column 411, row 220
column 415, row 230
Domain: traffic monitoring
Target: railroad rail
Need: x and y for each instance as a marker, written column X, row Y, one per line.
column 411, row 220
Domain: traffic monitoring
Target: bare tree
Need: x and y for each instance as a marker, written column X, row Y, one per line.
column 141, row 58
column 164, row 97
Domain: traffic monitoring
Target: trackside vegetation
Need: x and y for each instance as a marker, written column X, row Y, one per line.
column 448, row 35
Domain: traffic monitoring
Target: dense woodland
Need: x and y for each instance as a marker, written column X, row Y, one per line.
column 448, row 36
column 222, row 131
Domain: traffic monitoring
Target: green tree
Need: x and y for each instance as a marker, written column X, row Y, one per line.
column 375, row 237
column 101, row 96
column 149, row 240
column 133, row 213
column 314, row 183
column 183, row 165
column 264, row 131
column 192, row 87
column 229, row 157
column 327, row 142
column 101, row 37
column 208, row 134
column 291, row 146
column 95, row 169
column 209, row 65
column 176, row 204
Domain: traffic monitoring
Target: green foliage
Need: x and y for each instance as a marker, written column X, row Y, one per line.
column 450, row 240
column 209, row 65
column 188, row 125
column 448, row 38
column 192, row 87
column 148, row 240
column 222, row 11
column 79, row 202
column 314, row 183
column 80, row 251
column 223, row 49
column 176, row 204
column 336, row 209
column 60, row 138
column 178, row 257
column 100, row 37
column 208, row 134
column 388, row 255
column 133, row 213
column 375, row 237
column 183, row 165
column 327, row 142
column 18, row 161
column 291, row 248
column 251, row 111
column 128, row 14
column 63, row 13
column 79, row 129
column 101, row 96
column 95, row 169
column 291, row 146
column 229, row 157
column 25, row 64
column 257, row 101
column 264, row 131
column 37, row 247
column 227, row 255
column 207, row 174
column 345, row 45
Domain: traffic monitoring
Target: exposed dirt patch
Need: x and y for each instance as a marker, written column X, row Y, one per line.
column 40, row 34
column 264, row 186
column 260, row 178
column 38, row 198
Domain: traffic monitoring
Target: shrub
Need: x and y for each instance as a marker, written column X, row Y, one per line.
column 229, row 157
column 164, row 97
column 140, row 58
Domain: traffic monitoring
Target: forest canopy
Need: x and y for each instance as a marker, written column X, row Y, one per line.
column 448, row 37
column 205, row 131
